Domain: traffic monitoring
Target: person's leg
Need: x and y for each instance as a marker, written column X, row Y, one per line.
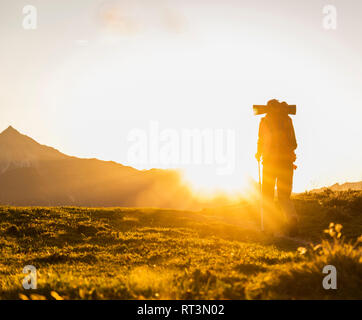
column 268, row 186
column 284, row 190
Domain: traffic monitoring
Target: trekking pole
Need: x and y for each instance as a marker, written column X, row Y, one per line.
column 261, row 200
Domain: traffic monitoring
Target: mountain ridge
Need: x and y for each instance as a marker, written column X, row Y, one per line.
column 36, row 174
column 341, row 187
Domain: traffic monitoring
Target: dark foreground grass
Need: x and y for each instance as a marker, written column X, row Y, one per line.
column 128, row 253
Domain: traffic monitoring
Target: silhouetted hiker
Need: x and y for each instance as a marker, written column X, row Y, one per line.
column 276, row 145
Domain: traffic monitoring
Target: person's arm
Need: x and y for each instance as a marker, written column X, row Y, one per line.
column 293, row 141
column 260, row 143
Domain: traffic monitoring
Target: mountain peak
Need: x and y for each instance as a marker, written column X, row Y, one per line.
column 19, row 150
column 10, row 130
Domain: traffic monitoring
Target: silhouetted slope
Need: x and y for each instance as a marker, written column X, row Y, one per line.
column 341, row 187
column 18, row 150
column 34, row 174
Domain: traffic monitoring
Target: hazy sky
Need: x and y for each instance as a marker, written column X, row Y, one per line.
column 94, row 70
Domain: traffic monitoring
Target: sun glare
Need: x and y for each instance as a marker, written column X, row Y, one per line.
column 205, row 183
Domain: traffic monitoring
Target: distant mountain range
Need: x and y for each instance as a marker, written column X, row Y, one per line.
column 34, row 174
column 341, row 187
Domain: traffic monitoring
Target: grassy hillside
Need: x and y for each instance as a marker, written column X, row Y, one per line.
column 128, row 253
